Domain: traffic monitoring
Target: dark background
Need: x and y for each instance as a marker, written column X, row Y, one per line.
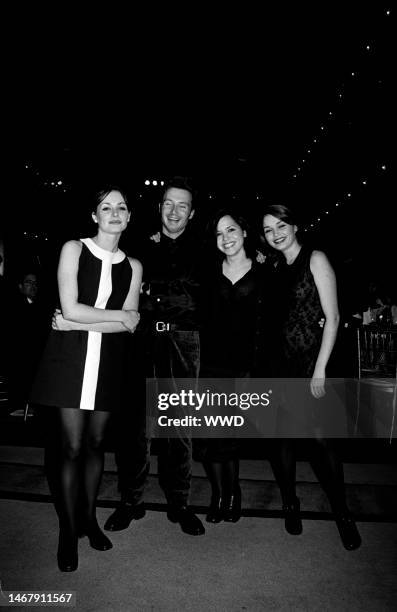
column 233, row 98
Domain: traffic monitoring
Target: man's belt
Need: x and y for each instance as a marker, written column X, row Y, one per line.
column 166, row 326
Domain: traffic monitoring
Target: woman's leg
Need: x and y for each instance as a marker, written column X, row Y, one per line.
column 92, row 471
column 283, row 462
column 214, row 473
column 231, row 490
column 71, row 423
column 329, row 470
column 71, row 427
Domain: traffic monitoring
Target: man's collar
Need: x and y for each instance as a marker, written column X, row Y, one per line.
column 179, row 238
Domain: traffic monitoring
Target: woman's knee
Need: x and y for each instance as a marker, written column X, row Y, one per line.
column 72, row 449
column 95, row 442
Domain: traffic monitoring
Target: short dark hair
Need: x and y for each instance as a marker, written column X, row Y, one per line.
column 282, row 212
column 181, row 182
column 22, row 274
column 101, row 194
column 250, row 242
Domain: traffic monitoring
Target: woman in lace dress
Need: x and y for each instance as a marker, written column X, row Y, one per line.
column 306, row 293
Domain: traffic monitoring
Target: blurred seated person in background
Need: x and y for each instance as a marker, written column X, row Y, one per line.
column 393, row 308
column 377, row 305
column 28, row 337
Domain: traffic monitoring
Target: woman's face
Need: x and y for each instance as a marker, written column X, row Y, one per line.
column 279, row 234
column 112, row 214
column 229, row 236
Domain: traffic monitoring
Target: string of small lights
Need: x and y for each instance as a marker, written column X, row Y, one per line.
column 368, row 50
column 53, row 183
column 380, row 170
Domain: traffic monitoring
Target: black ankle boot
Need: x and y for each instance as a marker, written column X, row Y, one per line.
column 96, row 537
column 67, row 555
column 232, row 509
column 348, row 531
column 293, row 523
column 215, row 511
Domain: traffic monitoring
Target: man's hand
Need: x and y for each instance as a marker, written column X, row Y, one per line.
column 156, row 237
column 260, row 257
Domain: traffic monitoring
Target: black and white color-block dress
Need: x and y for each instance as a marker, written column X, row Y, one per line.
column 82, row 369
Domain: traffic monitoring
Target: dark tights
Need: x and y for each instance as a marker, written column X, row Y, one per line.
column 325, row 463
column 224, row 478
column 80, row 465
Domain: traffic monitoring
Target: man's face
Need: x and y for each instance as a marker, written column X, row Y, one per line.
column 176, row 210
column 29, row 286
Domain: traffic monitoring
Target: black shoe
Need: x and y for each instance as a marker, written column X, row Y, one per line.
column 349, row 534
column 97, row 538
column 67, row 555
column 188, row 521
column 232, row 510
column 215, row 511
column 293, row 523
column 123, row 515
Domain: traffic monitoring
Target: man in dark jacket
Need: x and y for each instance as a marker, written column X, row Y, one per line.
column 169, row 310
column 28, row 336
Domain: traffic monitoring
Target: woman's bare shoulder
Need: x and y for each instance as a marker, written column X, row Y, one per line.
column 319, row 262
column 72, row 247
column 135, row 265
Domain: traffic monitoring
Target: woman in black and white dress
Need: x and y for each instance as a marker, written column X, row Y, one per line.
column 81, row 373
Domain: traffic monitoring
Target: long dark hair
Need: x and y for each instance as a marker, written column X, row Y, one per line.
column 250, row 241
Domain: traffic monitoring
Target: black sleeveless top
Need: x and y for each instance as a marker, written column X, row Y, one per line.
column 300, row 314
column 229, row 324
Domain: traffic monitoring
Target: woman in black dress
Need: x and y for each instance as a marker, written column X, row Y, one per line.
column 81, row 373
column 231, row 298
column 307, row 292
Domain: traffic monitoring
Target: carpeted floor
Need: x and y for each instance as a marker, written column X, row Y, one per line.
column 251, row 565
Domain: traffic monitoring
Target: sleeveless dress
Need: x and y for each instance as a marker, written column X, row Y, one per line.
column 301, row 415
column 229, row 325
column 228, row 337
column 301, row 312
column 81, row 369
